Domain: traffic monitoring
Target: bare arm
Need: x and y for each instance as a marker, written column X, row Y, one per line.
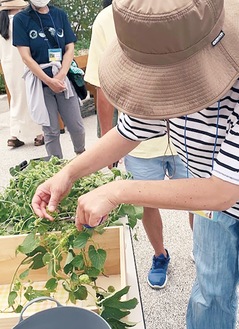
column 103, row 152
column 66, row 61
column 181, row 194
column 105, row 112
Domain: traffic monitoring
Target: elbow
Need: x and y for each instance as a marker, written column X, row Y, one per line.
column 226, row 194
column 222, row 205
column 26, row 61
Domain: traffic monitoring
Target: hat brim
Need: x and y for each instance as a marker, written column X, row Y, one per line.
column 13, row 5
column 162, row 92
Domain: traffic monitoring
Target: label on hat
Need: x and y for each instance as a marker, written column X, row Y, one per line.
column 218, row 39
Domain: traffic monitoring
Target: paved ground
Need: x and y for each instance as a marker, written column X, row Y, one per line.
column 164, row 309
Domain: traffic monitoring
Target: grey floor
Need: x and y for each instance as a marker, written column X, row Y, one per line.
column 164, row 309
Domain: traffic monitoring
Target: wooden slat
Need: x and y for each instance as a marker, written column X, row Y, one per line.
column 112, row 241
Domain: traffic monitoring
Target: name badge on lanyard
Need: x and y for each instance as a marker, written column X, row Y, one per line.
column 55, row 54
column 212, row 215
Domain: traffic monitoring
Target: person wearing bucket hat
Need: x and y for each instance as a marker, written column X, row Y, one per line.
column 11, row 61
column 45, row 40
column 180, row 62
column 12, row 4
column 152, row 159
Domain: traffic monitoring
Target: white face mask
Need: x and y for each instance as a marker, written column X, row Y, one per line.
column 40, row 3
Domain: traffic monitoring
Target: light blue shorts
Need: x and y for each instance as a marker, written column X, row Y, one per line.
column 156, row 168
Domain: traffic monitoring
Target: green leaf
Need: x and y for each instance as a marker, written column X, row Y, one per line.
column 81, row 240
column 31, row 293
column 78, row 262
column 132, row 220
column 111, row 312
column 68, row 268
column 117, row 324
column 39, row 249
column 127, row 209
column 51, row 284
column 66, row 286
column 139, row 212
column 11, row 298
column 92, row 272
column 17, row 285
column 69, row 257
column 19, row 309
column 30, row 243
column 72, row 297
column 46, row 258
column 24, row 274
column 81, row 293
column 97, row 257
column 37, row 262
column 74, row 278
column 114, row 300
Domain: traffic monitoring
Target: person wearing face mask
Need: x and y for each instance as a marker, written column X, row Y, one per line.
column 45, row 40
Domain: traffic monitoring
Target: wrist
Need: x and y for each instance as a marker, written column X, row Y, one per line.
column 118, row 192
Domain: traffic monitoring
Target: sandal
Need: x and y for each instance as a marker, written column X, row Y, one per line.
column 14, row 143
column 39, row 142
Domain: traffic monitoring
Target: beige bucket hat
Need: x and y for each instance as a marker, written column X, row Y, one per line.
column 12, row 4
column 171, row 58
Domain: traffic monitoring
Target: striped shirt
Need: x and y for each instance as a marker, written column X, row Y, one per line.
column 207, row 141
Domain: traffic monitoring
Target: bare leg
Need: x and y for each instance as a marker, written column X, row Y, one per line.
column 191, row 220
column 153, row 226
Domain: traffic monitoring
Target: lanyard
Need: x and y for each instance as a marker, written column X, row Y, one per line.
column 47, row 33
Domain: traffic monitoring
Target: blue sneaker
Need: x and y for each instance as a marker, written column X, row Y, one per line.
column 157, row 277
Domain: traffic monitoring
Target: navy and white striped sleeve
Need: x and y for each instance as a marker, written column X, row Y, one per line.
column 136, row 129
column 227, row 162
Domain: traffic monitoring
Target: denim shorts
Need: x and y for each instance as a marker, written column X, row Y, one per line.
column 156, row 168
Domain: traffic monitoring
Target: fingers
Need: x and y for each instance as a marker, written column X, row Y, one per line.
column 39, row 208
column 53, row 203
column 88, row 218
column 80, row 222
column 44, row 203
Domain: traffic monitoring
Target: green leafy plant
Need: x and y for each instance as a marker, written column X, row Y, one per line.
column 81, row 14
column 73, row 259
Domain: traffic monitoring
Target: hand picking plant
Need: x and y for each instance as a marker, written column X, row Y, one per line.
column 72, row 258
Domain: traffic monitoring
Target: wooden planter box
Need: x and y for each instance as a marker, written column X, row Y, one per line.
column 112, row 241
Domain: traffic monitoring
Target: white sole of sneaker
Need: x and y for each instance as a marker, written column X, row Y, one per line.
column 156, row 287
